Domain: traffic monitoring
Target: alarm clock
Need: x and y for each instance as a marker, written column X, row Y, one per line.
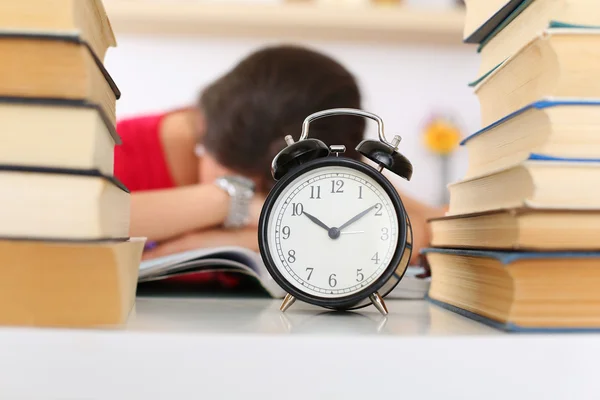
column 333, row 231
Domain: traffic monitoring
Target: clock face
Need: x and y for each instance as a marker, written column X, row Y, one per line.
column 332, row 231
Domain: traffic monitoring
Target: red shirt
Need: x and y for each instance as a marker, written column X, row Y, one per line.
column 140, row 161
column 141, row 165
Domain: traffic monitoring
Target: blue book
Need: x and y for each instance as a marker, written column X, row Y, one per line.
column 519, row 291
column 549, row 129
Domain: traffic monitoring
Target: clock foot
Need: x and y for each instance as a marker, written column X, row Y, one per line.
column 287, row 302
column 378, row 302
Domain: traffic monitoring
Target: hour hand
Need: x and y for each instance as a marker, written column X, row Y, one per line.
column 316, row 220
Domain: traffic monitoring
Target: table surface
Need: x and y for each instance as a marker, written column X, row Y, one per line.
column 245, row 348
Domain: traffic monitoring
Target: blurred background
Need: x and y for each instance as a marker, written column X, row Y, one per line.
column 407, row 55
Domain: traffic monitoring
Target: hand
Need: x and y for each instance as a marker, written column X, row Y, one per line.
column 420, row 229
column 316, row 221
column 357, row 217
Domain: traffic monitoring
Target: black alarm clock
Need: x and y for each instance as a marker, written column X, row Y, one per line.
column 333, row 231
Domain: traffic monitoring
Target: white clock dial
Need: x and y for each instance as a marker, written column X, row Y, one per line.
column 332, row 231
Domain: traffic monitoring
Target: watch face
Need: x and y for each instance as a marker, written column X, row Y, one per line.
column 332, row 231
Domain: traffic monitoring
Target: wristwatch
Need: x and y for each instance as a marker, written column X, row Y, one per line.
column 241, row 192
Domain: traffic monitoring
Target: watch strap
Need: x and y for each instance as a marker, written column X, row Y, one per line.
column 241, row 192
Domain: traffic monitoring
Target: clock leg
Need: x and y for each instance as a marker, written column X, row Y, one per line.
column 378, row 302
column 287, row 302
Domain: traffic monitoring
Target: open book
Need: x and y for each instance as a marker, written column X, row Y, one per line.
column 247, row 262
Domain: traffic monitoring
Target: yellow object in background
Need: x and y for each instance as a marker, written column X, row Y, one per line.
column 442, row 136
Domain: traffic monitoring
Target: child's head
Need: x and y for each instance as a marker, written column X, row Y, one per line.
column 249, row 110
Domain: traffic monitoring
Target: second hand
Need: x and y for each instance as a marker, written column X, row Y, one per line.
column 351, row 232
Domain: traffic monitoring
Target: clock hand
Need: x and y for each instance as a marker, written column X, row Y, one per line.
column 357, row 217
column 351, row 232
column 316, row 220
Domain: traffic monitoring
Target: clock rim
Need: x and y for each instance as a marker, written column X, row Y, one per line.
column 345, row 302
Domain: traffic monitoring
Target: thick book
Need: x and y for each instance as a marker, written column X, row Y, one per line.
column 84, row 18
column 548, row 128
column 48, row 203
column 238, row 260
column 538, row 183
column 68, row 284
column 518, row 291
column 56, row 133
column 530, row 18
column 523, row 229
column 63, row 67
column 560, row 63
column 483, row 16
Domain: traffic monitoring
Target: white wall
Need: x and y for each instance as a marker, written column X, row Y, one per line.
column 402, row 84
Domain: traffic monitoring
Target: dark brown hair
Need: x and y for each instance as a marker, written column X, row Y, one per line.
column 268, row 95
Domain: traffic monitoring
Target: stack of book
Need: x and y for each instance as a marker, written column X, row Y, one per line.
column 519, row 245
column 65, row 255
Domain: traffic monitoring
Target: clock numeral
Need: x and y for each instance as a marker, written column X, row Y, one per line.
column 385, row 234
column 336, row 186
column 291, row 256
column 360, row 192
column 286, row 232
column 332, row 280
column 375, row 258
column 378, row 207
column 297, row 209
column 310, row 271
column 359, row 275
column 315, row 193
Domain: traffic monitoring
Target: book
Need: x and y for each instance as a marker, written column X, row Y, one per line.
column 47, row 203
column 227, row 259
column 68, row 284
column 519, row 291
column 55, row 67
column 554, row 184
column 530, row 18
column 56, row 133
column 238, row 260
column 523, row 229
column 84, row 18
column 547, row 128
column 483, row 16
column 557, row 63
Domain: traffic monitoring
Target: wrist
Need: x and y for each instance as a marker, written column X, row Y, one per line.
column 217, row 206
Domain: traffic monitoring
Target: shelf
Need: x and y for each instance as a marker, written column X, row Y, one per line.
column 288, row 21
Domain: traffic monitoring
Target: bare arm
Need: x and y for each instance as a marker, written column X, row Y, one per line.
column 211, row 238
column 164, row 214
column 419, row 213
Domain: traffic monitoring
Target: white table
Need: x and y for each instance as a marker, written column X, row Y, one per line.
column 195, row 348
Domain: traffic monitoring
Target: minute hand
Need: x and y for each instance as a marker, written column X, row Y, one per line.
column 357, row 217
